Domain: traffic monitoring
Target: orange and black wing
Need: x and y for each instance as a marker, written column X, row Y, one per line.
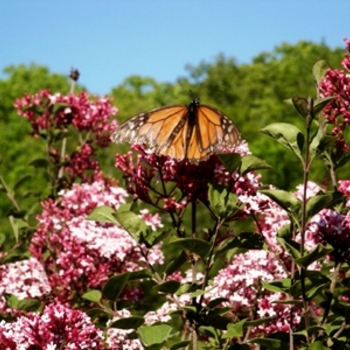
column 160, row 128
column 212, row 130
column 191, row 132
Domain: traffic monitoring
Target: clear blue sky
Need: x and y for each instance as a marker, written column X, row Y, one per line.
column 108, row 40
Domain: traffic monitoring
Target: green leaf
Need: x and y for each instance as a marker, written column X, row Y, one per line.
column 321, row 103
column 318, row 253
column 317, row 345
column 319, row 70
column 215, row 302
column 259, row 321
column 313, row 281
column 174, row 265
column 230, row 161
column 115, row 285
column 286, row 200
column 222, row 201
column 15, row 229
column 59, row 106
column 217, row 321
column 301, row 105
column 270, row 343
column 140, row 274
column 95, row 313
column 180, row 345
column 320, row 143
column 287, row 135
column 133, row 322
column 150, row 335
column 234, row 330
column 292, row 247
column 21, row 182
column 317, row 203
column 103, row 214
column 285, row 232
column 280, row 286
column 131, row 223
column 250, row 163
column 28, row 305
column 194, row 245
column 12, row 301
column 39, row 163
column 150, row 238
column 245, row 240
column 93, row 295
column 168, row 287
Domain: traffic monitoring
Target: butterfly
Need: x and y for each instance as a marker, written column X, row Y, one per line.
column 192, row 132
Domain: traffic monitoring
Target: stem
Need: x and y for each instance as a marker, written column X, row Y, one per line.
column 194, row 274
column 64, row 141
column 208, row 266
column 331, row 292
column 9, row 194
column 176, row 223
column 307, row 164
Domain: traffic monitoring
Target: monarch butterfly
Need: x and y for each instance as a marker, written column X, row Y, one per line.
column 190, row 132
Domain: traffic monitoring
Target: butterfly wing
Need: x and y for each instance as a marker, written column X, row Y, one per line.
column 182, row 132
column 160, row 128
column 212, row 130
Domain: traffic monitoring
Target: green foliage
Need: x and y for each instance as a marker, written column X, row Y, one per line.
column 252, row 94
column 17, row 149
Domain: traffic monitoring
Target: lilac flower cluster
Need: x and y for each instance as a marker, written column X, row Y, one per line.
column 79, row 254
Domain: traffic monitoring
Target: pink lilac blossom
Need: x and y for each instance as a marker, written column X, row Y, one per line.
column 52, row 115
column 336, row 83
column 78, row 110
column 24, row 279
column 238, row 283
column 58, row 327
column 151, row 220
column 79, row 254
column 149, row 171
column 332, row 227
column 273, row 218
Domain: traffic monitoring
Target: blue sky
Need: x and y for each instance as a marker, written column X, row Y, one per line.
column 109, row 40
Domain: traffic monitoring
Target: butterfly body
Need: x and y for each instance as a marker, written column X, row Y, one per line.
column 190, row 132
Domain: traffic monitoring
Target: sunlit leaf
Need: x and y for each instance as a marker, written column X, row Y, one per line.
column 131, row 223
column 234, row 330
column 103, row 214
column 251, row 162
column 319, row 70
column 287, row 135
column 157, row 334
column 285, row 199
column 93, row 295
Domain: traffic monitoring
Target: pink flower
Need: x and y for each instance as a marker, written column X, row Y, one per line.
column 58, row 327
column 89, row 124
column 147, row 176
column 79, row 254
column 151, row 220
column 336, row 83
